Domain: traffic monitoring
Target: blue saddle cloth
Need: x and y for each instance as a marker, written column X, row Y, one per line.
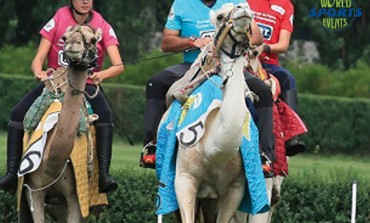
column 205, row 98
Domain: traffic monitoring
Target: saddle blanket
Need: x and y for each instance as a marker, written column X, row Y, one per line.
column 31, row 160
column 86, row 183
column 175, row 129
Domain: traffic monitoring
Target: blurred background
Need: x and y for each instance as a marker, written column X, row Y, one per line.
column 139, row 24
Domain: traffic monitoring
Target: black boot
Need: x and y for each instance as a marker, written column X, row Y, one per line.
column 14, row 152
column 266, row 134
column 104, row 138
column 154, row 111
column 294, row 145
column 290, row 97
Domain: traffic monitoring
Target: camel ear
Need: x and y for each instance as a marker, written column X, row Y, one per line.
column 212, row 15
column 98, row 34
column 69, row 29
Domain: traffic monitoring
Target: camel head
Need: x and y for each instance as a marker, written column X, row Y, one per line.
column 80, row 46
column 233, row 28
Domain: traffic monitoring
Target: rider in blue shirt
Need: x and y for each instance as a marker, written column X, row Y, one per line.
column 188, row 28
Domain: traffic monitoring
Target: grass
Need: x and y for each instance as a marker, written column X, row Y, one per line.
column 126, row 156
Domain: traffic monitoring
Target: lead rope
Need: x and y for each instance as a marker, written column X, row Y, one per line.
column 90, row 152
column 44, row 187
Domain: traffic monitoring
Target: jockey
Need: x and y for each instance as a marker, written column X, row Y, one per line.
column 188, row 28
column 275, row 19
column 51, row 47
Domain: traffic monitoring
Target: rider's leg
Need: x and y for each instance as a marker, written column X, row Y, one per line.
column 263, row 109
column 156, row 89
column 14, row 153
column 15, row 138
column 289, row 96
column 104, row 138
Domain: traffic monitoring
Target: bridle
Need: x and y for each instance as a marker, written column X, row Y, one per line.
column 87, row 62
column 225, row 29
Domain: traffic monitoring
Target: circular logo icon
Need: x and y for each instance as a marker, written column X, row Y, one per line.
column 336, row 14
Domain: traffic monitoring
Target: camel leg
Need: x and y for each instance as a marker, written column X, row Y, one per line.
column 67, row 187
column 186, row 187
column 239, row 217
column 265, row 217
column 36, row 201
column 229, row 203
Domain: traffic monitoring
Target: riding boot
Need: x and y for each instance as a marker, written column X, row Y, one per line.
column 290, row 98
column 154, row 111
column 294, row 145
column 104, row 138
column 14, row 152
column 265, row 128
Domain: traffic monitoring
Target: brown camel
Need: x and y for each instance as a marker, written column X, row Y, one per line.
column 55, row 176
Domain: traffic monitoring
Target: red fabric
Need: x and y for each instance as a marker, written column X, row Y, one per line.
column 286, row 125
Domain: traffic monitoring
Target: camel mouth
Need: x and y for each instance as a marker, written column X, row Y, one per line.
column 74, row 54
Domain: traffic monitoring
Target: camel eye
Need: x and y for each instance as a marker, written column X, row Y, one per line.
column 64, row 38
column 220, row 17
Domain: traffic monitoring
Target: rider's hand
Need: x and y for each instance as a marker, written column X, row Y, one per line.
column 201, row 42
column 96, row 78
column 40, row 75
column 254, row 53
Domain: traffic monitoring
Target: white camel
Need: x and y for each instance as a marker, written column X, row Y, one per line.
column 211, row 171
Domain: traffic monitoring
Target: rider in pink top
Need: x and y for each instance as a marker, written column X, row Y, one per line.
column 55, row 28
column 50, row 48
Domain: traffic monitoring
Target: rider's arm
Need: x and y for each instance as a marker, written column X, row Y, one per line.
column 39, row 59
column 114, row 70
column 283, row 44
column 257, row 37
column 172, row 42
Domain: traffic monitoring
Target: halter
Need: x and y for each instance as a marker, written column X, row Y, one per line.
column 225, row 30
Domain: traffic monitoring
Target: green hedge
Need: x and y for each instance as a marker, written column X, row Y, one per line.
column 336, row 125
column 339, row 125
column 304, row 199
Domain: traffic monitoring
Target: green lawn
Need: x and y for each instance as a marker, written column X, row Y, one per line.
column 127, row 156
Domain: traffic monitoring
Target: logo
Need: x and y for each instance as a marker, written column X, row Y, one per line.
column 266, row 30
column 336, row 14
column 50, row 25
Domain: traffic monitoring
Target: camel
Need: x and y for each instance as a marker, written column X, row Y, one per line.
column 55, row 176
column 210, row 173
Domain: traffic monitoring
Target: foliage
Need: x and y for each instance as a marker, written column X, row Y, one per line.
column 309, row 199
column 323, row 80
column 136, row 23
column 311, row 78
column 128, row 104
column 148, row 65
column 335, row 124
column 17, row 60
column 12, row 89
column 306, row 198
